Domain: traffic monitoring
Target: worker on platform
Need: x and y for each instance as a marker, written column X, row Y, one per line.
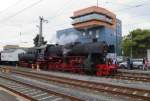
column 131, row 64
column 145, row 64
column 114, row 61
column 128, row 63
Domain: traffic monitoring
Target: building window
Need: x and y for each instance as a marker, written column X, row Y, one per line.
column 90, row 32
column 97, row 33
column 83, row 33
column 92, row 16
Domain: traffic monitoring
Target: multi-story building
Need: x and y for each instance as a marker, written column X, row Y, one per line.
column 95, row 23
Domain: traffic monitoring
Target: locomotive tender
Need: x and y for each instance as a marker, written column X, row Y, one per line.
column 83, row 58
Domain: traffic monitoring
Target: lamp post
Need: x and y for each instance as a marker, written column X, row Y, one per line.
column 116, row 44
column 97, row 3
column 131, row 55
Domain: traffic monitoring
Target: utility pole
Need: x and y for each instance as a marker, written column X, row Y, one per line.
column 20, row 37
column 97, row 3
column 116, row 43
column 131, row 55
column 42, row 20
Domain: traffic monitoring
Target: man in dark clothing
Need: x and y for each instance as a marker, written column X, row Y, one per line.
column 131, row 64
column 128, row 63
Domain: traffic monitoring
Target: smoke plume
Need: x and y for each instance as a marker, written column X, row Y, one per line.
column 65, row 39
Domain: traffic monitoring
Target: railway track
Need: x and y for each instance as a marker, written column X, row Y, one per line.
column 32, row 92
column 141, row 73
column 139, row 94
column 132, row 77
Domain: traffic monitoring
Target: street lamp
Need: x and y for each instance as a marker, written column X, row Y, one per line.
column 116, row 43
column 131, row 55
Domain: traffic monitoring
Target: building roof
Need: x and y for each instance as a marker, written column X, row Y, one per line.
column 94, row 9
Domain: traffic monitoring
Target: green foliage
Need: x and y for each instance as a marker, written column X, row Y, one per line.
column 139, row 42
column 36, row 39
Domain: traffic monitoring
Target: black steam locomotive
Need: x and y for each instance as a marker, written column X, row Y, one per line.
column 89, row 58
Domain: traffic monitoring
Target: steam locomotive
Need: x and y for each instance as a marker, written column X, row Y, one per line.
column 83, row 58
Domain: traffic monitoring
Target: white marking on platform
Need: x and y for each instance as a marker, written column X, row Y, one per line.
column 39, row 95
column 57, row 99
column 146, row 94
column 46, row 97
column 106, row 87
column 27, row 91
column 135, row 92
column 33, row 93
column 114, row 89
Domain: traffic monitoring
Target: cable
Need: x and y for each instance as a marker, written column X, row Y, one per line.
column 22, row 10
column 135, row 6
column 59, row 12
column 17, row 2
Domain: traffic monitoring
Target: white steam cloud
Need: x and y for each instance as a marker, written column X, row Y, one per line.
column 65, row 39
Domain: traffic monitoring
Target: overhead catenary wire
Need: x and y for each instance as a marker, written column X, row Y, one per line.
column 22, row 10
column 9, row 7
column 61, row 10
column 132, row 7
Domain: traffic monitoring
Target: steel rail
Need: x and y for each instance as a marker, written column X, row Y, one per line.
column 18, row 93
column 71, row 98
column 133, row 78
column 134, row 73
column 102, row 87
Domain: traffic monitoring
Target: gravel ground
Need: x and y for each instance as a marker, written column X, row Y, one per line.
column 6, row 95
column 134, row 71
column 119, row 82
column 87, row 96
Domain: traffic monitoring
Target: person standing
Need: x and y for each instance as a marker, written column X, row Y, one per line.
column 143, row 63
column 146, row 64
column 131, row 64
column 114, row 61
column 128, row 63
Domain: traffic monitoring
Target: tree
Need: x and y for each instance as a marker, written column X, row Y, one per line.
column 36, row 39
column 139, row 42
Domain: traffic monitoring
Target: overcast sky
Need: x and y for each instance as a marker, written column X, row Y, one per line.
column 22, row 16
